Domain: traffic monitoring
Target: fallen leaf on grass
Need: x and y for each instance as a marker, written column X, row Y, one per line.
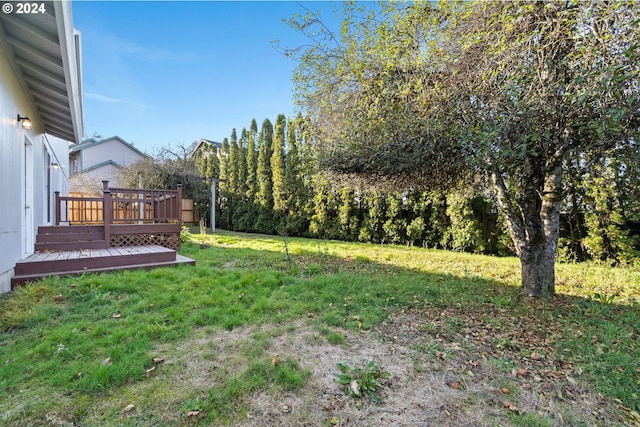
column 58, row 297
column 116, row 315
column 157, row 360
column 505, row 390
column 192, row 414
column 128, row 408
column 285, row 409
column 355, row 388
column 148, row 371
column 107, row 361
column 536, row 356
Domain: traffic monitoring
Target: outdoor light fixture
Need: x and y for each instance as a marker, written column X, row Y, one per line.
column 26, row 122
column 54, row 166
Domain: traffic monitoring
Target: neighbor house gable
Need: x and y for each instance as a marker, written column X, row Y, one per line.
column 197, row 145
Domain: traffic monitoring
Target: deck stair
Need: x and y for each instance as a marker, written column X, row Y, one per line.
column 61, row 238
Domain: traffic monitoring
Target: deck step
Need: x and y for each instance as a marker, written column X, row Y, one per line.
column 21, row 279
column 55, row 261
column 70, row 246
column 66, row 238
column 57, row 230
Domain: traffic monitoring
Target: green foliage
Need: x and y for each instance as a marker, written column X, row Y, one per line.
column 265, row 181
column 465, row 231
column 233, row 166
column 374, row 208
column 252, row 161
column 526, row 88
column 348, row 215
column 278, row 183
column 185, row 234
column 241, row 164
column 607, row 238
column 415, row 230
column 362, row 381
column 323, row 222
column 207, row 161
column 312, row 204
column 395, row 225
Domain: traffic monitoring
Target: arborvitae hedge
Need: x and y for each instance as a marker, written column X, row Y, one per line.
column 280, row 193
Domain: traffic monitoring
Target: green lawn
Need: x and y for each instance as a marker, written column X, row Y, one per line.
column 78, row 350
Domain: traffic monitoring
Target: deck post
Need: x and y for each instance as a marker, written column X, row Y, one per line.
column 57, row 207
column 107, row 206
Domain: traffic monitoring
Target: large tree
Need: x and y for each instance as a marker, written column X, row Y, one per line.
column 265, row 183
column 492, row 93
column 233, row 163
column 252, row 161
column 278, row 165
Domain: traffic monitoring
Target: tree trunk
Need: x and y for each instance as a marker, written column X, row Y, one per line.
column 538, row 270
column 534, row 228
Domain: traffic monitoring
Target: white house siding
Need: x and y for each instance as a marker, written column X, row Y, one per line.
column 109, row 150
column 23, row 175
column 99, row 160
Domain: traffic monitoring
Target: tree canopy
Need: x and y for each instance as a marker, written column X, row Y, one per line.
column 499, row 94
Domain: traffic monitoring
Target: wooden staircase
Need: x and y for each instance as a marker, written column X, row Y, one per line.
column 64, row 238
column 72, row 250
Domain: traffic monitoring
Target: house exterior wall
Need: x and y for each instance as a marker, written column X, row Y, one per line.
column 26, row 182
column 109, row 150
column 98, row 161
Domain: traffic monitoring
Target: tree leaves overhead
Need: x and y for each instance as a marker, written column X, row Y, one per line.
column 423, row 91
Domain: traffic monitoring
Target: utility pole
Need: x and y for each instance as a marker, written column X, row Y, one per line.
column 214, row 182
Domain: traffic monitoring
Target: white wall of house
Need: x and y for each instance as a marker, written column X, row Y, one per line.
column 112, row 149
column 99, row 160
column 28, row 178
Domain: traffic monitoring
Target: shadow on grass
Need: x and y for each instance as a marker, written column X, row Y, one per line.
column 592, row 336
column 94, row 333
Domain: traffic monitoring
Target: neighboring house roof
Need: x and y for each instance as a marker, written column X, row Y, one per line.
column 101, row 165
column 198, row 144
column 92, row 142
column 45, row 50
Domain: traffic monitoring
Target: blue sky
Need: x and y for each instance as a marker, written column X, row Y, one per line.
column 166, row 73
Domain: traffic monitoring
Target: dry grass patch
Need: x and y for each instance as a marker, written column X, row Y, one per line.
column 456, row 387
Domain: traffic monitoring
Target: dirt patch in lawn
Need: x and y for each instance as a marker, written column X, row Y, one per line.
column 440, row 375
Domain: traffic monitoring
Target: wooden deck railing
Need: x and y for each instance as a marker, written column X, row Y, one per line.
column 154, row 213
column 124, row 206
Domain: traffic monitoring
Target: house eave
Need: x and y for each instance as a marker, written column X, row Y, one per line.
column 44, row 50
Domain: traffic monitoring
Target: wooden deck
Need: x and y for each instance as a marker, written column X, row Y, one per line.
column 74, row 262
column 126, row 229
